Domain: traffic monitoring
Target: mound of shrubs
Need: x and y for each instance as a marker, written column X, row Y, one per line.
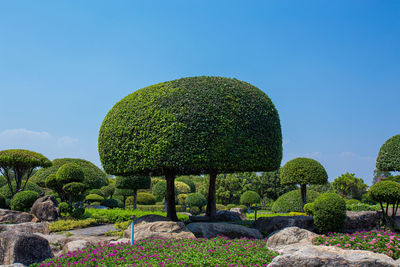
column 291, row 201
column 329, row 211
column 146, row 199
column 23, row 201
column 195, row 200
column 249, row 198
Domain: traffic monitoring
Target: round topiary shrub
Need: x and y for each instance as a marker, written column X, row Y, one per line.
column 196, row 200
column 250, row 197
column 160, row 189
column 23, row 201
column 146, row 199
column 352, row 201
column 291, row 201
column 5, row 190
column 182, row 188
column 188, row 181
column 111, row 203
column 329, row 213
column 93, row 198
column 182, row 199
column 389, row 155
column 70, row 172
column 308, row 209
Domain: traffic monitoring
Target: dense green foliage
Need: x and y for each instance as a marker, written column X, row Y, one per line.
column 269, row 186
column 17, row 165
column 94, row 198
column 291, row 201
column 349, row 186
column 303, row 171
column 329, row 213
column 112, row 203
column 308, row 208
column 133, row 182
column 250, row 197
column 23, row 201
column 3, row 180
column 321, row 188
column 196, row 200
column 5, row 190
column 146, row 199
column 352, row 201
column 94, row 177
column 108, row 190
column 160, row 189
column 191, row 125
column 389, row 155
column 386, row 192
column 69, row 173
column 188, row 181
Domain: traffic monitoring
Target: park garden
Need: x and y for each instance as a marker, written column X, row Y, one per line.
column 198, row 151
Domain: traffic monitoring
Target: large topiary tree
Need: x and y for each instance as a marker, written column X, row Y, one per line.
column 389, row 155
column 94, row 177
column 131, row 185
column 18, row 165
column 191, row 126
column 303, row 171
column 386, row 192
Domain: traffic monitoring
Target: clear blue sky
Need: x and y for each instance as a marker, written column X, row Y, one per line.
column 332, row 68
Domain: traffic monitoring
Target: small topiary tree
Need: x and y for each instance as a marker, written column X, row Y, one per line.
column 94, row 198
column 389, row 155
column 146, row 199
column 23, row 201
column 124, row 194
column 303, row 171
column 133, row 183
column 249, row 198
column 111, row 203
column 329, row 213
column 108, row 190
column 97, row 192
column 386, row 192
column 292, row 202
column 17, row 165
column 196, row 200
column 308, row 208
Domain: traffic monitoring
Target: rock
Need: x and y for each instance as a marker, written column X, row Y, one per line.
column 29, row 227
column 167, row 230
column 12, row 216
column 14, row 265
column 151, row 218
column 240, row 211
column 122, row 240
column 75, row 245
column 23, row 248
column 45, row 209
column 317, row 256
column 226, row 215
column 268, row 225
column 361, row 221
column 290, row 235
column 210, row 230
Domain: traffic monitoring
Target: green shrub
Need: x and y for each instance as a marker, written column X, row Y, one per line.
column 308, row 208
column 229, row 206
column 77, row 213
column 250, row 197
column 3, row 180
column 96, row 191
column 386, row 192
column 94, row 198
column 64, row 208
column 362, row 207
column 23, row 201
column 160, row 189
column 66, row 225
column 3, row 204
column 366, row 199
column 188, row 181
column 146, row 199
column 108, row 190
column 195, row 200
column 389, row 155
column 111, row 203
column 221, row 207
column 182, row 188
column 182, row 199
column 70, row 172
column 194, row 210
column 352, row 201
column 329, row 213
column 5, row 190
column 291, row 201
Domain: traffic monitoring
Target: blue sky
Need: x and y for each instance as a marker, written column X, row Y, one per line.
column 332, row 68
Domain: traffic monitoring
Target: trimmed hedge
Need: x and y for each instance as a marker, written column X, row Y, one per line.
column 303, row 171
column 329, row 213
column 94, row 198
column 196, row 200
column 389, row 155
column 250, row 197
column 192, row 125
column 94, row 177
column 146, row 199
column 23, row 201
column 133, row 182
column 291, row 201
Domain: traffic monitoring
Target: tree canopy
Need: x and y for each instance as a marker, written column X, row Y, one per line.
column 389, row 155
column 349, row 186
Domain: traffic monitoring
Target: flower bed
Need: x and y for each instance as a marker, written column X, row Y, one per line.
column 375, row 241
column 219, row 251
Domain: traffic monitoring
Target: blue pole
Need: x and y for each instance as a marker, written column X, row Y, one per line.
column 132, row 234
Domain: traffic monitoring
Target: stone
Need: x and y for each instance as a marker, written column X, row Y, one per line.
column 240, row 211
column 167, row 230
column 45, row 209
column 226, row 215
column 361, row 221
column 75, row 245
column 25, row 248
column 290, row 235
column 29, row 227
column 12, row 216
column 268, row 225
column 100, row 207
column 13, row 265
column 210, row 230
column 119, row 241
column 150, row 218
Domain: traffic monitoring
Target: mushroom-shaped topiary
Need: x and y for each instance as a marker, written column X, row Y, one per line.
column 386, row 192
column 303, row 171
column 18, row 164
column 132, row 183
column 94, row 198
column 389, row 155
column 190, row 126
column 249, row 198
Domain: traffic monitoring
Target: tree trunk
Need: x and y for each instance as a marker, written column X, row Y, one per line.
column 134, row 198
column 211, row 209
column 303, row 195
column 170, row 197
